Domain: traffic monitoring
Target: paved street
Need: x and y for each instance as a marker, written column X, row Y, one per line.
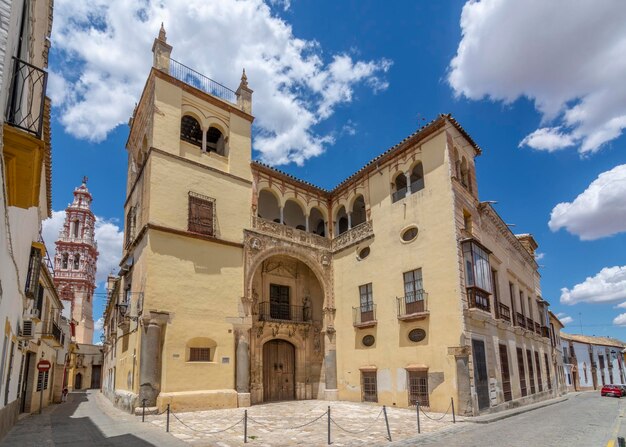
column 584, row 420
column 88, row 419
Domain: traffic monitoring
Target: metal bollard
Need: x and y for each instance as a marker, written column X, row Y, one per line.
column 453, row 416
column 621, row 442
column 417, row 406
column 387, row 423
column 143, row 411
column 329, row 425
column 245, row 426
column 167, row 426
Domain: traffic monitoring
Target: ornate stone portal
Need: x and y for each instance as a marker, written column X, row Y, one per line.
column 303, row 315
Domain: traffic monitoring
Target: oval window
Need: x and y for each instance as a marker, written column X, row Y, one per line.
column 417, row 335
column 364, row 253
column 368, row 340
column 409, row 234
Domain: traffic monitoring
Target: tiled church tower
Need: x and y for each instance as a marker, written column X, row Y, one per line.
column 75, row 262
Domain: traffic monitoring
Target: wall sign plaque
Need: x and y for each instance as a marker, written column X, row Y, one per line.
column 417, row 335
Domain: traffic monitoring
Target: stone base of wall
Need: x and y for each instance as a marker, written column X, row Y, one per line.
column 526, row 400
column 124, row 400
column 8, row 417
column 197, row 400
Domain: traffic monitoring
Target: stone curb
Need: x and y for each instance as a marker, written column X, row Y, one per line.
column 487, row 419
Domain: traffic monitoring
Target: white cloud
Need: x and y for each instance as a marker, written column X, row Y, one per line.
column 620, row 320
column 608, row 285
column 539, row 256
column 567, row 58
column 108, row 235
column 105, row 47
column 598, row 211
column 563, row 318
column 98, row 324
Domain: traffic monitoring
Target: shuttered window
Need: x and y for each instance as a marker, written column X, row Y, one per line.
column 201, row 214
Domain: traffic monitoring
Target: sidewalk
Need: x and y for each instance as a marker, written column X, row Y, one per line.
column 493, row 417
column 86, row 419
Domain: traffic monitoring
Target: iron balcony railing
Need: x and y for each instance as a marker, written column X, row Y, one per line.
column 398, row 195
column 520, row 320
column 201, row 82
column 530, row 324
column 478, row 299
column 268, row 311
column 504, row 312
column 413, row 303
column 53, row 331
column 537, row 328
column 545, row 331
column 364, row 315
column 25, row 106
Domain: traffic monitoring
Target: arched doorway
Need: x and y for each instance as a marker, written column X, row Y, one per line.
column 78, row 383
column 278, row 371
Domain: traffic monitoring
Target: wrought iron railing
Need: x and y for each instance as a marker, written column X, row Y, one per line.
column 417, row 185
column 353, row 236
column 290, row 233
column 413, row 303
column 537, row 328
column 504, row 312
column 478, row 299
column 201, row 82
column 364, row 315
column 268, row 311
column 52, row 330
column 398, row 195
column 530, row 324
column 545, row 331
column 25, row 105
column 520, row 320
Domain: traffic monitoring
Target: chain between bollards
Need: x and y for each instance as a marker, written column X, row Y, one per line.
column 167, row 426
column 417, row 407
column 387, row 423
column 245, row 426
column 328, row 425
column 453, row 416
column 143, row 410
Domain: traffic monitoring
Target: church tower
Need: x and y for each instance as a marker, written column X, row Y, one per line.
column 75, row 262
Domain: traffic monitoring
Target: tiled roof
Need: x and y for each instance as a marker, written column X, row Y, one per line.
column 603, row 341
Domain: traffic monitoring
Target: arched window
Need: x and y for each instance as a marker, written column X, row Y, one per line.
column 76, row 261
column 64, row 260
column 399, row 187
column 316, row 222
column 268, row 207
column 464, row 173
column 417, row 178
column 75, row 226
column 358, row 212
column 215, row 141
column 190, row 131
column 456, row 167
column 293, row 215
column 342, row 221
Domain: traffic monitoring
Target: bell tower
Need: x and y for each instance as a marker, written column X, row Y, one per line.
column 75, row 262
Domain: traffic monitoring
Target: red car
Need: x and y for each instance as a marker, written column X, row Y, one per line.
column 612, row 390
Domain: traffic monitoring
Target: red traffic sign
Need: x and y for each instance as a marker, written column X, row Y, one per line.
column 43, row 365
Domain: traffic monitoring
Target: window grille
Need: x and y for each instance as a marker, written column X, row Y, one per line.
column 190, row 131
column 418, row 388
column 531, row 371
column 42, row 380
column 34, row 267
column 199, row 354
column 522, row 371
column 201, row 214
column 370, row 393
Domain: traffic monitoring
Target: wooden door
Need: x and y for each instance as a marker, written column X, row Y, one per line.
column 278, row 371
column 506, row 376
column 96, row 371
column 481, row 379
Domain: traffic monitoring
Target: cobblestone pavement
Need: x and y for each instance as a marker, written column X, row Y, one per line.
column 300, row 423
column 584, row 420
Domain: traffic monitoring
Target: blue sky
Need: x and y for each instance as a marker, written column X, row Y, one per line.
column 358, row 77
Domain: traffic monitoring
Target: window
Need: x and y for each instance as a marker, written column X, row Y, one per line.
column 199, row 354
column 413, row 291
column 521, row 371
column 418, row 388
column 215, row 141
column 76, row 261
column 467, row 222
column 64, row 261
column 417, row 178
column 531, row 371
column 279, row 302
column 504, row 371
column 368, row 380
column 366, row 302
column 548, row 371
column 477, row 268
column 75, row 226
column 539, row 378
column 42, row 380
column 130, row 225
column 399, row 187
column 364, row 253
column 190, row 131
column 201, row 214
column 34, row 267
column 409, row 234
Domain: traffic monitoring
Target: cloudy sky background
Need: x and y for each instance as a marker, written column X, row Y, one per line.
column 539, row 85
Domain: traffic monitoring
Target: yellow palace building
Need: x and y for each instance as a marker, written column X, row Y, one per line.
column 240, row 284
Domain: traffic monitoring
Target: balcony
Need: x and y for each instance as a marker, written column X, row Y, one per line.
column 478, row 299
column 530, row 324
column 520, row 320
column 504, row 313
column 537, row 328
column 52, row 331
column 353, row 236
column 201, row 82
column 283, row 312
column 545, row 331
column 25, row 105
column 364, row 316
column 398, row 195
column 413, row 306
column 289, row 233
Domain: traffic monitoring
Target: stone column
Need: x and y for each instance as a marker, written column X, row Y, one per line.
column 330, row 356
column 349, row 220
column 282, row 215
column 306, row 223
column 408, row 183
column 150, row 360
column 463, row 401
column 242, row 368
